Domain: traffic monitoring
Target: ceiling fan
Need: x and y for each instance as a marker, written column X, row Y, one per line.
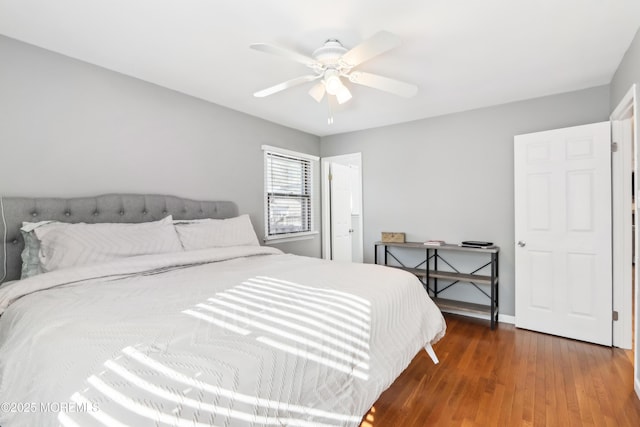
column 332, row 62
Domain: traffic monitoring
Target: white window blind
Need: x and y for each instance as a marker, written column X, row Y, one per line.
column 288, row 193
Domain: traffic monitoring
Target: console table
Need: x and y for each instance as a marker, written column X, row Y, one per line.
column 430, row 272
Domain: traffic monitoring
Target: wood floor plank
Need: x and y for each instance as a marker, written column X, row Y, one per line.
column 510, row 377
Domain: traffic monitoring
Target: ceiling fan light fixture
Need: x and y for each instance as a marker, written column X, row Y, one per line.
column 332, row 82
column 317, row 91
column 343, row 95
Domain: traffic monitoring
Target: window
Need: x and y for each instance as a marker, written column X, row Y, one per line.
column 288, row 193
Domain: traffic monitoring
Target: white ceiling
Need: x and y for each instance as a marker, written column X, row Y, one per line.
column 462, row 54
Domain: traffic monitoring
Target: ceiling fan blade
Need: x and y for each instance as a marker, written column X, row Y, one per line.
column 386, row 84
column 281, row 51
column 317, row 91
column 373, row 46
column 285, row 85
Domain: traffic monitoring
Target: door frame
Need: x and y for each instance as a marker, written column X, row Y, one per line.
column 352, row 158
column 621, row 168
column 622, row 233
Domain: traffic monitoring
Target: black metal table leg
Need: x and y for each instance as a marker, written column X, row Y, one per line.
column 493, row 286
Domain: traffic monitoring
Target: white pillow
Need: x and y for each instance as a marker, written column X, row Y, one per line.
column 216, row 233
column 83, row 244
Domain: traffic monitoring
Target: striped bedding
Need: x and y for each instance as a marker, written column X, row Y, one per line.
column 239, row 336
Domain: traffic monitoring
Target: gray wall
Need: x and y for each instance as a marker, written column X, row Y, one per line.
column 628, row 73
column 451, row 177
column 68, row 128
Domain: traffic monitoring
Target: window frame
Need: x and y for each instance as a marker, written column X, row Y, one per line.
column 312, row 163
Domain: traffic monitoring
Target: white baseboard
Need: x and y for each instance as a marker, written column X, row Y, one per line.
column 505, row 318
column 637, row 387
column 466, row 313
column 502, row 318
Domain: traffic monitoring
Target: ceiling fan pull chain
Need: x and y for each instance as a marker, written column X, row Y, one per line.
column 330, row 112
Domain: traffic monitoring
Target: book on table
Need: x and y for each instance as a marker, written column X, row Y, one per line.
column 434, row 242
column 476, row 244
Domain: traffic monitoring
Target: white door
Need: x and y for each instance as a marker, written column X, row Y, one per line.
column 563, row 232
column 340, row 212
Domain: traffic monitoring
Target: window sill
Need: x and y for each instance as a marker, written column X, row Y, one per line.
column 273, row 240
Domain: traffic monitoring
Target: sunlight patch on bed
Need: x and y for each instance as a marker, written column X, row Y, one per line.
column 230, row 394
column 263, row 299
column 317, row 304
column 259, row 303
column 303, row 319
column 325, row 327
column 184, row 401
column 344, row 304
column 170, row 397
column 217, row 322
column 99, row 415
column 312, row 342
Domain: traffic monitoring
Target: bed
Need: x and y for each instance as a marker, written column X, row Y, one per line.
column 222, row 334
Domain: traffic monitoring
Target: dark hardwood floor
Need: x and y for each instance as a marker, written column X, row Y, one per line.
column 510, row 377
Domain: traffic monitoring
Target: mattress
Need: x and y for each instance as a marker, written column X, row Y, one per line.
column 239, row 336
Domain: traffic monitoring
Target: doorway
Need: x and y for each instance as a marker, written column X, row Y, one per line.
column 342, row 219
column 624, row 121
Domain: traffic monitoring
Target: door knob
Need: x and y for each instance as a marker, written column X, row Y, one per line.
column 522, row 244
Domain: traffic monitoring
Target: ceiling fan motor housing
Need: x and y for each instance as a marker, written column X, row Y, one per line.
column 330, row 53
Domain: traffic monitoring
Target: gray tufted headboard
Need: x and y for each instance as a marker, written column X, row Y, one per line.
column 106, row 208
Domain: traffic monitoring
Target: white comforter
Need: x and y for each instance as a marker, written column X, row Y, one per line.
column 230, row 337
